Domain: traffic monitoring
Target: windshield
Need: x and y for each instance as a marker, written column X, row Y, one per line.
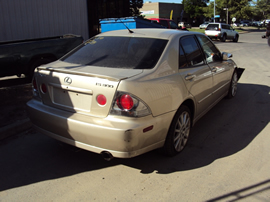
column 118, row 52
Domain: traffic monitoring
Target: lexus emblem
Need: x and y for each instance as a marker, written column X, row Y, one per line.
column 68, row 80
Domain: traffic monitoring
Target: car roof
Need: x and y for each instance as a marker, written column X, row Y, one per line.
column 160, row 19
column 149, row 33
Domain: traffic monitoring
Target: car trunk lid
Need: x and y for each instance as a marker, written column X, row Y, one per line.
column 75, row 88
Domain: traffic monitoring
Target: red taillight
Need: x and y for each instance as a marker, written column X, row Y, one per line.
column 43, row 88
column 34, row 84
column 101, row 99
column 125, row 102
column 219, row 29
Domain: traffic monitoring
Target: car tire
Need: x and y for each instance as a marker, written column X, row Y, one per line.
column 233, row 85
column 223, row 38
column 179, row 131
column 235, row 39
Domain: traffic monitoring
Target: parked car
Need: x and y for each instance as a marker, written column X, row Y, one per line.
column 245, row 23
column 184, row 25
column 166, row 22
column 221, row 31
column 203, row 26
column 124, row 93
column 236, row 24
column 23, row 56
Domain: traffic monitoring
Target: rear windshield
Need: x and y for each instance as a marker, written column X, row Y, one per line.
column 212, row 27
column 118, row 52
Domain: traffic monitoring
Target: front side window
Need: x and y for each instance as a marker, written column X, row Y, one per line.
column 211, row 53
column 192, row 51
column 118, row 52
column 173, row 25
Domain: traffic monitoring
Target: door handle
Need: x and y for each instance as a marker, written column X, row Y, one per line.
column 190, row 76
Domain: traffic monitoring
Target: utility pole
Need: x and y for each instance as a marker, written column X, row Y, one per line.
column 214, row 10
column 227, row 14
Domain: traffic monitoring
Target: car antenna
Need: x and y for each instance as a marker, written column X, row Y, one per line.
column 130, row 31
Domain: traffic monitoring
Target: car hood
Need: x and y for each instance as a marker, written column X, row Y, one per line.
column 114, row 74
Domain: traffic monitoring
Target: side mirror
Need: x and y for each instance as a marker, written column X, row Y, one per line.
column 226, row 56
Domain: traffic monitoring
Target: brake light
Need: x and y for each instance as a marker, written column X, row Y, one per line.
column 101, row 99
column 43, row 88
column 34, row 84
column 125, row 102
column 219, row 29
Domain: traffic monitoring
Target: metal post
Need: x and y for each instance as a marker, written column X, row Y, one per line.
column 227, row 20
column 214, row 10
column 227, row 15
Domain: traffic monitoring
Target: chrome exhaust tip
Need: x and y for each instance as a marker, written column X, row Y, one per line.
column 106, row 155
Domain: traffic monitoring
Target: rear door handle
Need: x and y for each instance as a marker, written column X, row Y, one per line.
column 190, row 76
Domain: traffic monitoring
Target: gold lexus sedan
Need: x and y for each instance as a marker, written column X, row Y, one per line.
column 123, row 93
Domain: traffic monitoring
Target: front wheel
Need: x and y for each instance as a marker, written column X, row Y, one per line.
column 178, row 134
column 235, row 39
column 233, row 85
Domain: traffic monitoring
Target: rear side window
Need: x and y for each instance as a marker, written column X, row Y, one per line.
column 164, row 23
column 225, row 26
column 118, row 52
column 212, row 27
column 192, row 51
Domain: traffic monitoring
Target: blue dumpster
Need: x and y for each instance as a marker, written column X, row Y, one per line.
column 110, row 24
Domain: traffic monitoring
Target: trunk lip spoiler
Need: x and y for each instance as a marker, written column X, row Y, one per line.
column 110, row 78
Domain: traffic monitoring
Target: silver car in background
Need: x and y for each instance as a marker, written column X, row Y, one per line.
column 123, row 93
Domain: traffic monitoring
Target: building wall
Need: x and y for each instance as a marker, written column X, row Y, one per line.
column 150, row 10
column 162, row 10
column 24, row 19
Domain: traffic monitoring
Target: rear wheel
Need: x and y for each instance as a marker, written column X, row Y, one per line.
column 223, row 38
column 178, row 134
column 233, row 85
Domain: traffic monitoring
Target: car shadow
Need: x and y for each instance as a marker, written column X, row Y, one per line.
column 225, row 130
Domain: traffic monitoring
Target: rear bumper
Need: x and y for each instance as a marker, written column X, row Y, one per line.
column 123, row 137
column 213, row 34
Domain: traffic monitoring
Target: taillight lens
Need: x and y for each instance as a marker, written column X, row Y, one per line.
column 35, row 88
column 34, row 82
column 101, row 99
column 43, row 88
column 126, row 104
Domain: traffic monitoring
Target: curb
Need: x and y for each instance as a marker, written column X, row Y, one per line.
column 15, row 128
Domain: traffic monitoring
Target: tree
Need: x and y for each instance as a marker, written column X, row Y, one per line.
column 240, row 9
column 194, row 8
column 135, row 6
column 261, row 10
